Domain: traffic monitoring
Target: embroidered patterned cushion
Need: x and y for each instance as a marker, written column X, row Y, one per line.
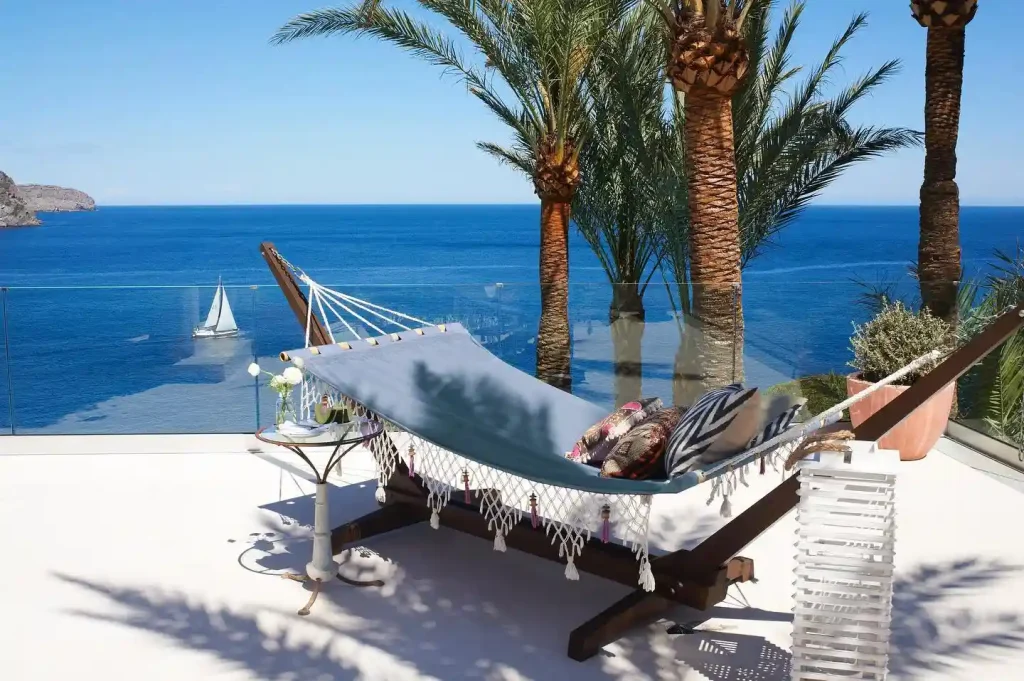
column 600, row 437
column 638, row 454
column 718, row 424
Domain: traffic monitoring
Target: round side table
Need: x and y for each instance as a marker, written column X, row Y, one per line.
column 343, row 438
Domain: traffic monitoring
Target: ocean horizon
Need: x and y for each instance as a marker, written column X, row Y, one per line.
column 101, row 305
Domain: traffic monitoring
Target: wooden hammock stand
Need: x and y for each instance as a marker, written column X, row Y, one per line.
column 699, row 577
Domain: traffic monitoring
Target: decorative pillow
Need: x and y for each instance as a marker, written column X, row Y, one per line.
column 638, row 454
column 600, row 437
column 718, row 424
column 778, row 425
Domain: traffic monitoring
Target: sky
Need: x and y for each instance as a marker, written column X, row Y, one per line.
column 185, row 102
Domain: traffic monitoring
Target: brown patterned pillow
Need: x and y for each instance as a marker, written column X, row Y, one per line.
column 599, row 438
column 638, row 454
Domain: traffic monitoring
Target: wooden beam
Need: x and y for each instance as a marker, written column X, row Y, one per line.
column 385, row 519
column 293, row 294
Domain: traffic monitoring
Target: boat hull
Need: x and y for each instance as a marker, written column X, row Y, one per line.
column 210, row 333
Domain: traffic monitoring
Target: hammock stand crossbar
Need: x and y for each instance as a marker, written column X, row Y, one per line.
column 698, row 578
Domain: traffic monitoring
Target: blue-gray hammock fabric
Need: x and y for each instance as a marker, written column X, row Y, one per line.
column 443, row 386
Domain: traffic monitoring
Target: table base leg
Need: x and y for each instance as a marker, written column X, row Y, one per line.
column 312, row 598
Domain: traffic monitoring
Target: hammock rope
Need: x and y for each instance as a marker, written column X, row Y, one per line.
column 321, row 296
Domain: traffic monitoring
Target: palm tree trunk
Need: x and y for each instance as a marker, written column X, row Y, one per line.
column 714, row 236
column 626, row 315
column 553, row 343
column 938, row 254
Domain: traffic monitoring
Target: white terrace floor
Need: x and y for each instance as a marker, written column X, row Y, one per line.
column 127, row 560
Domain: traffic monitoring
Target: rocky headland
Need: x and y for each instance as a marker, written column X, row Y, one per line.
column 45, row 198
column 20, row 203
column 13, row 211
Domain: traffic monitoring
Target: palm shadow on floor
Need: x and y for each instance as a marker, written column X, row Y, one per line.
column 456, row 610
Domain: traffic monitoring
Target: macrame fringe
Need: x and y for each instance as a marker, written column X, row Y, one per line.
column 726, row 510
column 727, row 484
column 646, row 580
column 380, row 495
column 570, row 571
column 499, row 541
column 435, row 520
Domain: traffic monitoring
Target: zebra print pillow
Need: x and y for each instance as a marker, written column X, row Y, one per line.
column 704, row 423
column 778, row 425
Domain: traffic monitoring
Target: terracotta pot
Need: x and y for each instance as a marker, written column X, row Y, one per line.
column 919, row 432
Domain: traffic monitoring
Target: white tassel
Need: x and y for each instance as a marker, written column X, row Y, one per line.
column 726, row 510
column 570, row 571
column 646, row 580
column 499, row 541
column 435, row 520
column 380, row 495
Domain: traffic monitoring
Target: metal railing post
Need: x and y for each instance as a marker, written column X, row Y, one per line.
column 255, row 353
column 7, row 361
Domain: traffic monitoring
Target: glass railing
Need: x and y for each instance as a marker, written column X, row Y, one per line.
column 121, row 360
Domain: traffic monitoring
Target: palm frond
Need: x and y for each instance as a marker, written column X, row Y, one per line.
column 520, row 159
column 993, row 391
column 794, row 151
column 540, row 51
column 627, row 182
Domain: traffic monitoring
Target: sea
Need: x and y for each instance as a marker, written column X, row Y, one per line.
column 100, row 306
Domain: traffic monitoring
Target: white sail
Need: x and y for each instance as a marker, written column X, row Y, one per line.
column 226, row 321
column 211, row 318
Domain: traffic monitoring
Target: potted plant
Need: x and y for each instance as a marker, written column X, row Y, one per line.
column 895, row 337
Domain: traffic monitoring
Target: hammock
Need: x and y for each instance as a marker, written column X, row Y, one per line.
column 466, row 423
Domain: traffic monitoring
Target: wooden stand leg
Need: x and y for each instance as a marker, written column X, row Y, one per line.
column 642, row 608
column 385, row 519
column 635, row 609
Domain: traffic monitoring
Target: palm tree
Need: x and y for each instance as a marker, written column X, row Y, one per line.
column 707, row 62
column 938, row 253
column 629, row 186
column 540, row 52
column 791, row 143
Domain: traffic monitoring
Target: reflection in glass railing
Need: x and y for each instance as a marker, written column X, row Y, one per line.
column 127, row 360
column 117, row 360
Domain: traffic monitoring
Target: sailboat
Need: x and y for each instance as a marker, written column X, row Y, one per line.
column 220, row 323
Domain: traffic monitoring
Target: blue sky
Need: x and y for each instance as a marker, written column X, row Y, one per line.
column 185, row 102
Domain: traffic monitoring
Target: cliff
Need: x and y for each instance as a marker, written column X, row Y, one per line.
column 13, row 211
column 44, row 198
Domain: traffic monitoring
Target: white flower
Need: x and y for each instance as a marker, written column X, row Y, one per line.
column 277, row 382
column 254, row 369
column 299, row 362
column 292, row 375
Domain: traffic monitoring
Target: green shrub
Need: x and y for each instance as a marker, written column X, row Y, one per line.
column 896, row 337
column 822, row 391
